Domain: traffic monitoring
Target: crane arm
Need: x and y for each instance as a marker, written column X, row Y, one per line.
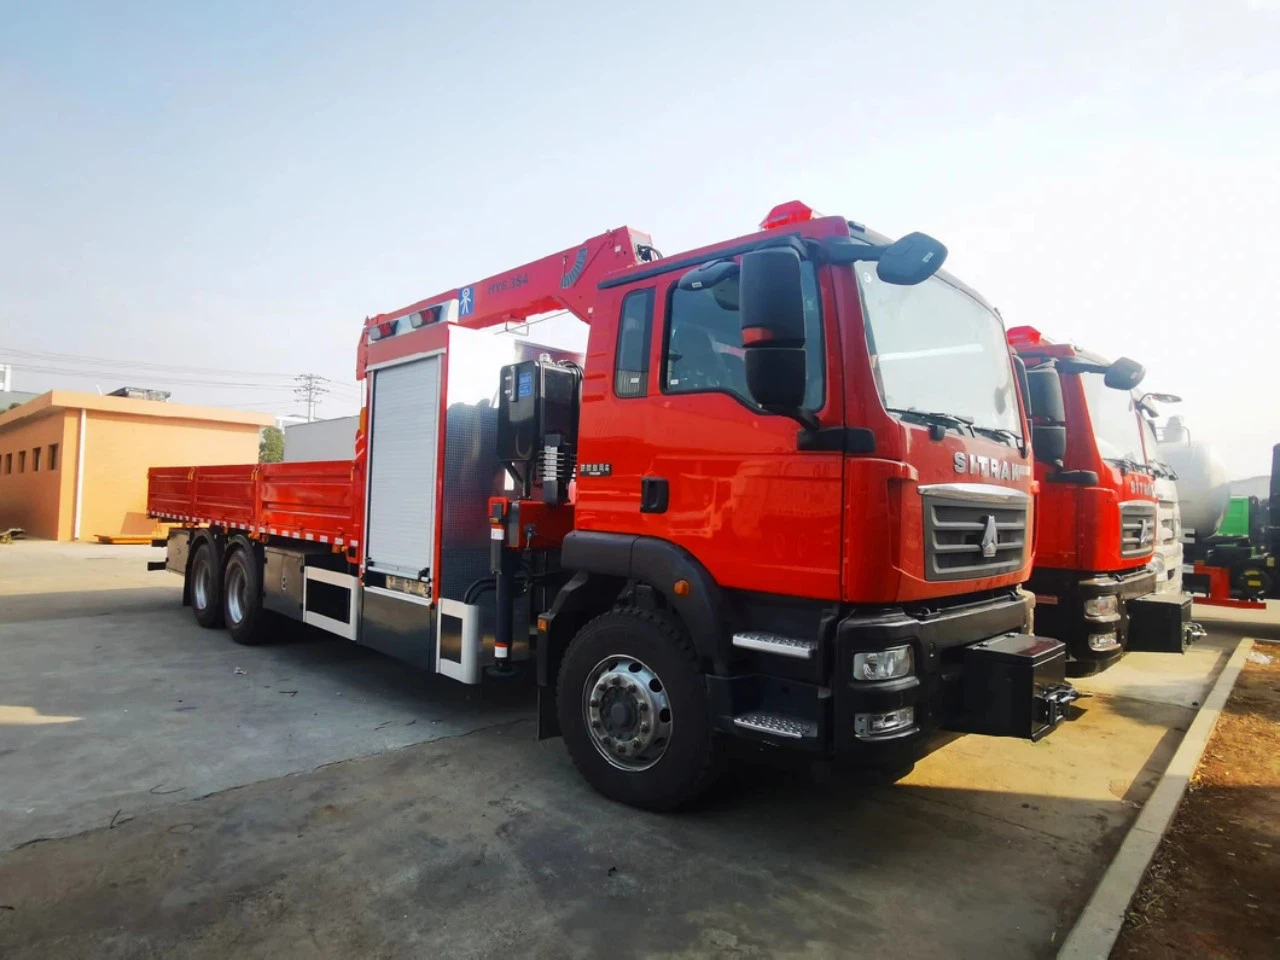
column 561, row 281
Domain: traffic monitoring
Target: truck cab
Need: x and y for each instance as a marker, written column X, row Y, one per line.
column 1166, row 562
column 1095, row 576
column 817, row 469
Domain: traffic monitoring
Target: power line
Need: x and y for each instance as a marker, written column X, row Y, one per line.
column 147, row 375
column 139, row 364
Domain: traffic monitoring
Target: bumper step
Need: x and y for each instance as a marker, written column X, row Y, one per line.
column 775, row 725
column 775, row 643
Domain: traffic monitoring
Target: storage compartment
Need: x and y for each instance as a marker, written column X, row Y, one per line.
column 538, row 426
column 282, row 581
column 1158, row 623
column 1015, row 686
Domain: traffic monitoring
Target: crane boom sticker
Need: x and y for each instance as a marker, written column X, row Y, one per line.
column 466, row 301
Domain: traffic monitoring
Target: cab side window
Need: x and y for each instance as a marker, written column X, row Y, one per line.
column 631, row 363
column 704, row 342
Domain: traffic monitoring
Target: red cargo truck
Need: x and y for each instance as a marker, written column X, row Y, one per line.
column 1093, row 578
column 786, row 495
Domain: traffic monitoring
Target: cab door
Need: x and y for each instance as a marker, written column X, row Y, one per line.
column 693, row 460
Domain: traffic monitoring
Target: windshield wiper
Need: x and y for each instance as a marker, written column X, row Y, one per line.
column 953, row 420
column 1126, row 465
column 999, row 433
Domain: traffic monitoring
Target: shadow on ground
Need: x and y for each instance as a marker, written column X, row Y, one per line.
column 485, row 845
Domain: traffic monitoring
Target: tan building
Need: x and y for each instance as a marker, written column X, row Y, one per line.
column 74, row 465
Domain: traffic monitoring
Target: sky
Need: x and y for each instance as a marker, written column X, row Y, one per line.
column 222, row 192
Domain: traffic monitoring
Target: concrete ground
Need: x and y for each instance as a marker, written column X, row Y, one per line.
column 164, row 792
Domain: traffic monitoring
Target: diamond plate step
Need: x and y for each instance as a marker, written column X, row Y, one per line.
column 775, row 643
column 774, row 724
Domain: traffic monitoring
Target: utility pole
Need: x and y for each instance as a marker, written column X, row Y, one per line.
column 309, row 390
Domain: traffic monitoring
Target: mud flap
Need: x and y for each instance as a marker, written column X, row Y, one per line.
column 1161, row 623
column 548, row 715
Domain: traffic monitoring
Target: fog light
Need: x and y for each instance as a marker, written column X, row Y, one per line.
column 870, row 726
column 1101, row 607
column 883, row 664
column 1103, row 641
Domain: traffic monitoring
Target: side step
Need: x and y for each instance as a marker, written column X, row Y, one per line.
column 775, row 725
column 775, row 643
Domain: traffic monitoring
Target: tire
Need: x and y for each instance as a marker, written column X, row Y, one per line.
column 603, row 696
column 242, row 598
column 205, row 582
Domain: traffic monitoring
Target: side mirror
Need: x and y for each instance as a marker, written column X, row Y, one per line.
column 1045, row 387
column 1024, row 389
column 913, row 259
column 1049, row 444
column 1124, row 374
column 771, row 309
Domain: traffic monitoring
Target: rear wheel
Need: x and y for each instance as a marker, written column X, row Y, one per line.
column 242, row 598
column 633, row 710
column 205, row 583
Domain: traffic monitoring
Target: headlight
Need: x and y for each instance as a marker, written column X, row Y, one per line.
column 1101, row 606
column 883, row 664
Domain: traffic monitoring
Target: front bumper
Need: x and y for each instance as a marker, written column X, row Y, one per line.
column 1093, row 642
column 976, row 669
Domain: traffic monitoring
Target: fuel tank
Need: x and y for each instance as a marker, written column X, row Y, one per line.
column 1204, row 487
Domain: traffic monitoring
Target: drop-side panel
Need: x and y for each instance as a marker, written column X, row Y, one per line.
column 403, row 454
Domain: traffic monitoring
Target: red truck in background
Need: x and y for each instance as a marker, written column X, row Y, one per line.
column 1093, row 578
column 787, row 495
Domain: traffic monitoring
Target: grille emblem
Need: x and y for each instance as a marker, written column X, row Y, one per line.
column 1146, row 532
column 989, row 537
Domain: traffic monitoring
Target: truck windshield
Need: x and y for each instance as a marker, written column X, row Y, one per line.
column 1115, row 421
column 936, row 349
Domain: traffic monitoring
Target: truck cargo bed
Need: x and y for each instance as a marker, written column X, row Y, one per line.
column 306, row 501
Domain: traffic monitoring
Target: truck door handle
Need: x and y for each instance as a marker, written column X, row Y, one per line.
column 653, row 494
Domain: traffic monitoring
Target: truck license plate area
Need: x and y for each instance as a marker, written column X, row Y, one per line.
column 1015, row 686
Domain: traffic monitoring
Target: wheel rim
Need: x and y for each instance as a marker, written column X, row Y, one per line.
column 200, row 582
column 627, row 713
column 237, row 593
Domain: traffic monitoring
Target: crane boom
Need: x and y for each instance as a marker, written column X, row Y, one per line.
column 560, row 281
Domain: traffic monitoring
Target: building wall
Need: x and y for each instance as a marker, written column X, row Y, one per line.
column 119, row 449
column 32, row 499
column 321, row 440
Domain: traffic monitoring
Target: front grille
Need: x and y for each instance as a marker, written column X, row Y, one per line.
column 1168, row 523
column 959, row 517
column 1137, row 528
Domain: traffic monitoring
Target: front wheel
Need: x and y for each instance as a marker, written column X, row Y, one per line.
column 633, row 710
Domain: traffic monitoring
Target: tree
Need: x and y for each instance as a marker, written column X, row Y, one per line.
column 12, row 405
column 271, row 446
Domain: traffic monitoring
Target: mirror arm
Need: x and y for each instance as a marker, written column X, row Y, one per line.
column 802, row 417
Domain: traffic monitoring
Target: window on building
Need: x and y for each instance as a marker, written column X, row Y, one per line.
column 35, row 459
column 704, row 343
column 53, row 456
column 8, row 463
column 631, row 367
column 22, row 461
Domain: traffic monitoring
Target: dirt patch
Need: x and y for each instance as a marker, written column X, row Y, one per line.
column 1213, row 888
